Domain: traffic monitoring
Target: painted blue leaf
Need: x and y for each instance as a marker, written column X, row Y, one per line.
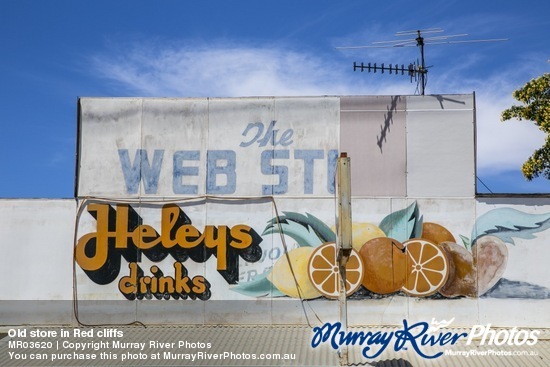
column 466, row 242
column 260, row 286
column 298, row 227
column 311, row 223
column 506, row 223
column 323, row 231
column 404, row 224
column 417, row 226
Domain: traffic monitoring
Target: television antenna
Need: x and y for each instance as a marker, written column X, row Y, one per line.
column 417, row 70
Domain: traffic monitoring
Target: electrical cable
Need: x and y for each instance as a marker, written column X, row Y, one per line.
column 483, row 183
column 83, row 202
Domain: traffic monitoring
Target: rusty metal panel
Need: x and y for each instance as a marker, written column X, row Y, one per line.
column 373, row 133
column 440, row 102
column 174, row 137
column 279, row 146
column 313, row 148
column 106, row 125
column 440, row 147
column 132, row 148
column 237, row 129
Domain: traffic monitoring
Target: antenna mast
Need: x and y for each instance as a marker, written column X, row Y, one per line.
column 422, row 70
column 419, row 69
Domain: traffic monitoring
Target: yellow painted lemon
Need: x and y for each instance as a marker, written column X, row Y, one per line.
column 292, row 278
column 362, row 233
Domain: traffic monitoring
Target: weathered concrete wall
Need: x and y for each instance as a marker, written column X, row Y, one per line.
column 409, row 146
column 37, row 243
column 416, row 146
column 36, row 266
column 191, row 210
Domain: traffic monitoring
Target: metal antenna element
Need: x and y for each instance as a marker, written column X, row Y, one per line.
column 418, row 70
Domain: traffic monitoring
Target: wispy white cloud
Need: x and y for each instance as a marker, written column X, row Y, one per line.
column 219, row 70
column 228, row 70
column 501, row 146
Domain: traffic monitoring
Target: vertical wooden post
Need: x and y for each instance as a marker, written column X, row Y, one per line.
column 343, row 240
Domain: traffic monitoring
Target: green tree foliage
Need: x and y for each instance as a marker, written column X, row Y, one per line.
column 535, row 97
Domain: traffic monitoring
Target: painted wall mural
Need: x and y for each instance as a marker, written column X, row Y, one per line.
column 233, row 199
column 403, row 254
column 121, row 233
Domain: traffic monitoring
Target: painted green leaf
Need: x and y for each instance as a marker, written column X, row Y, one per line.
column 260, row 286
column 506, row 223
column 404, row 224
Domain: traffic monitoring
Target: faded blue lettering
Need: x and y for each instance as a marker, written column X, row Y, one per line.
column 309, row 157
column 257, row 125
column 141, row 169
column 332, row 159
column 181, row 171
column 270, row 136
column 281, row 171
column 213, row 170
column 286, row 138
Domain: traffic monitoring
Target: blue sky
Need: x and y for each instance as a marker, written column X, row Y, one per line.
column 55, row 51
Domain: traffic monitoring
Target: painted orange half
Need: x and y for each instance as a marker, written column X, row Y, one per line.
column 324, row 275
column 385, row 263
column 428, row 265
